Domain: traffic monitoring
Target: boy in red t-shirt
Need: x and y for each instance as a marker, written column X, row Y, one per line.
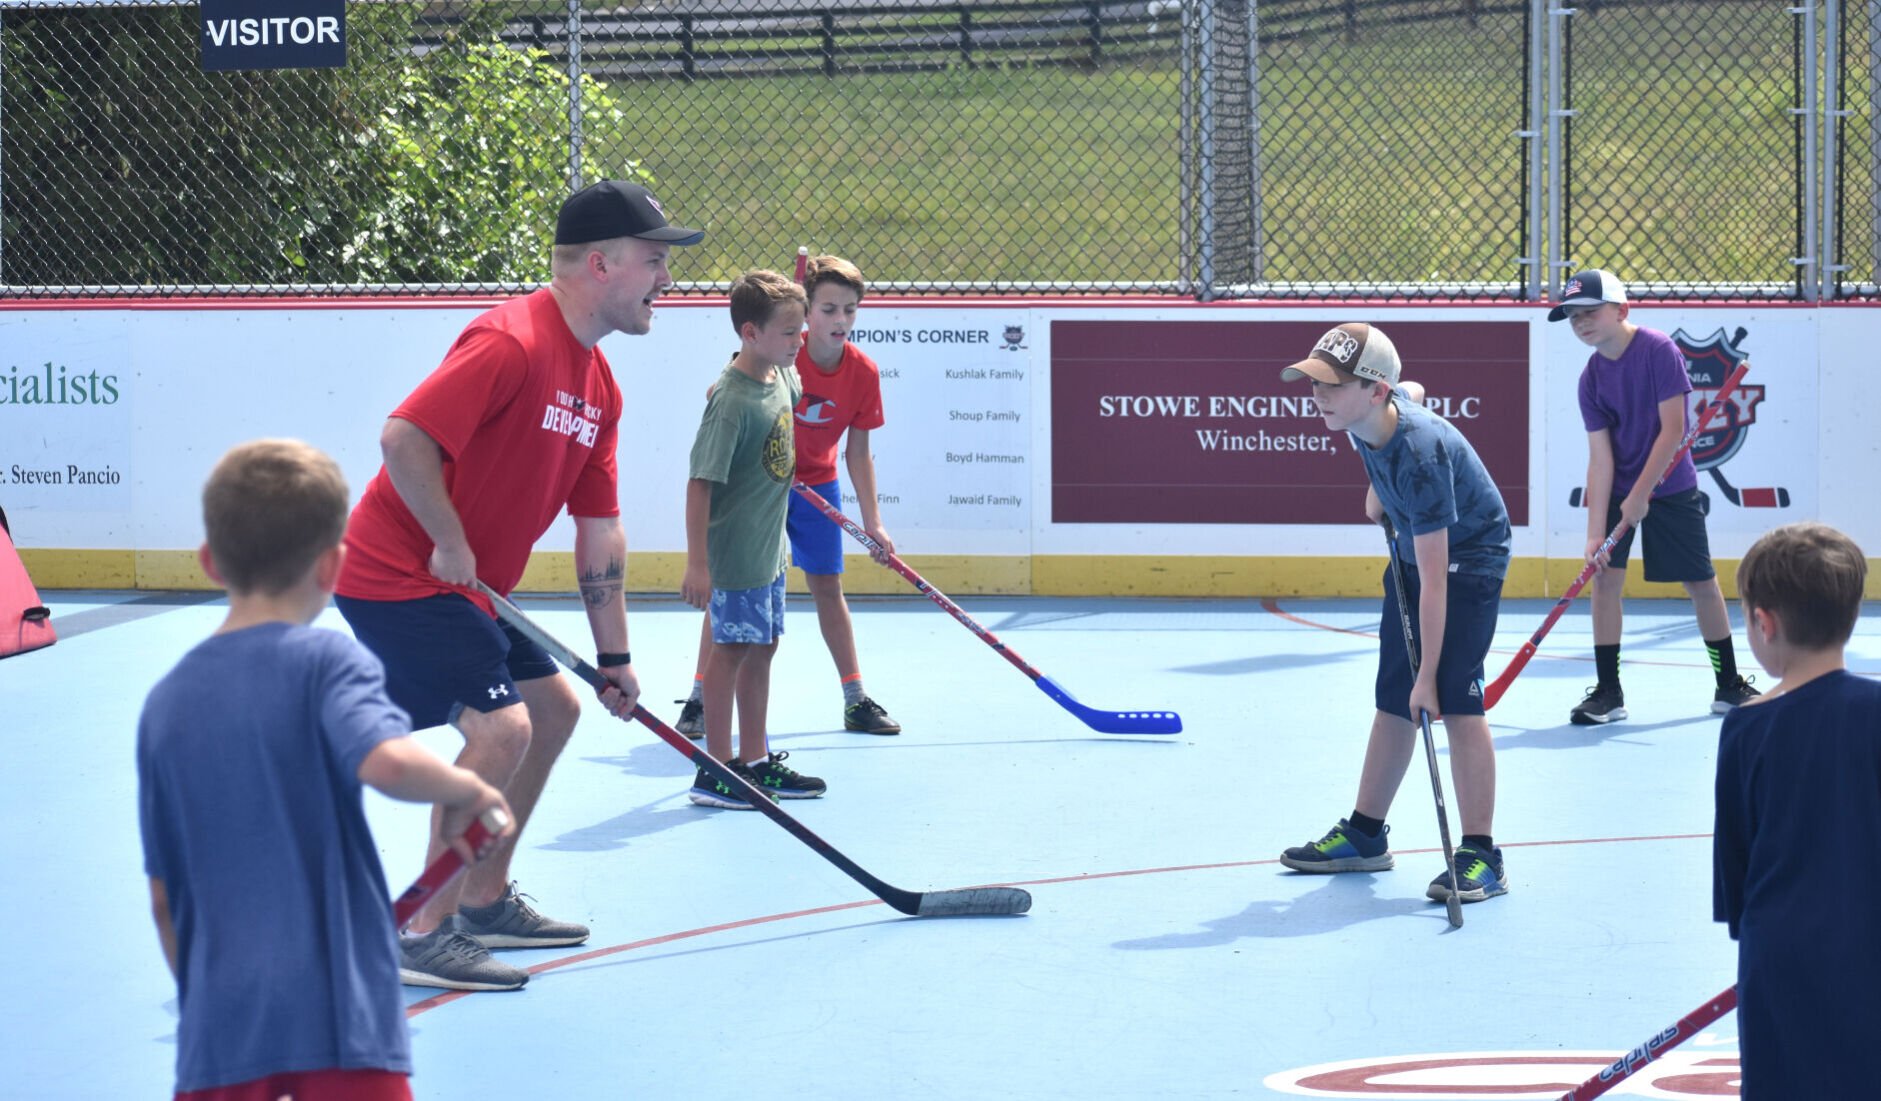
column 842, row 392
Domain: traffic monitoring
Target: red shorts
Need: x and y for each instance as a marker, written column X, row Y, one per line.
column 313, row 1085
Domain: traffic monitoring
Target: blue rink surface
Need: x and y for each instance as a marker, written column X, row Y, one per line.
column 1167, row 954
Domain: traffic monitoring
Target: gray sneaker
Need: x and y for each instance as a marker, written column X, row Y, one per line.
column 510, row 922
column 448, row 959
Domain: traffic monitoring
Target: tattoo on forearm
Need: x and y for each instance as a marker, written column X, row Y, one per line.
column 599, row 588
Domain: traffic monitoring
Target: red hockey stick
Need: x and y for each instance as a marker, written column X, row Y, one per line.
column 1501, row 684
column 1623, row 1068
column 1106, row 722
column 446, row 867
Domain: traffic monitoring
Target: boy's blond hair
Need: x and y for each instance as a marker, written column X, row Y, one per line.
column 832, row 269
column 756, row 295
column 1811, row 576
column 269, row 509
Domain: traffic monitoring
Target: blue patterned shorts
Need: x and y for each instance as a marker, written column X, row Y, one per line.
column 750, row 616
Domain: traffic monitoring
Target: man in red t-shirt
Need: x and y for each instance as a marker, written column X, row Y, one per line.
column 517, row 423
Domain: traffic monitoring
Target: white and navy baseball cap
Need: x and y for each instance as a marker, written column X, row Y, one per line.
column 615, row 208
column 1592, row 287
column 1353, row 350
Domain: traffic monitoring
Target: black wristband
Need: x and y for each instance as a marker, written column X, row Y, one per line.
column 606, row 658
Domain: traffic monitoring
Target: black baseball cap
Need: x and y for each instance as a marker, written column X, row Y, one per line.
column 1589, row 288
column 616, row 208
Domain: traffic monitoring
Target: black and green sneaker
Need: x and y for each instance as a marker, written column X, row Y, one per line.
column 1343, row 849
column 780, row 780
column 709, row 791
column 1481, row 873
column 865, row 716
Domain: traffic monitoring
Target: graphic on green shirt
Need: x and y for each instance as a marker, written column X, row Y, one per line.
column 780, row 450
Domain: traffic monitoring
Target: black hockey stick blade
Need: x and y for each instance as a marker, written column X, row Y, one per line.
column 965, row 902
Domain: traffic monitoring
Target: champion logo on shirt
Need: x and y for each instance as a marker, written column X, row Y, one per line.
column 817, row 410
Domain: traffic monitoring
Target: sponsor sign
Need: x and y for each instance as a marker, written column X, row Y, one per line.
column 65, row 421
column 1188, row 421
column 955, row 453
column 273, row 34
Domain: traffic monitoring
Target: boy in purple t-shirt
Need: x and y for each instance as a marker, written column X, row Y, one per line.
column 1634, row 406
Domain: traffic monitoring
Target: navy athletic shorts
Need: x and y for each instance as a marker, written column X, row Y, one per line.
column 1673, row 534
column 1469, row 627
column 816, row 541
column 442, row 654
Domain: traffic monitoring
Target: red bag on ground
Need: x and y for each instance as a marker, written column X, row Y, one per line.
column 25, row 623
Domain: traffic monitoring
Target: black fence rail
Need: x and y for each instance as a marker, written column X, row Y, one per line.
column 785, row 38
column 873, row 38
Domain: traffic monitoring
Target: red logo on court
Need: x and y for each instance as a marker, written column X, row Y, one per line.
column 1511, row 1074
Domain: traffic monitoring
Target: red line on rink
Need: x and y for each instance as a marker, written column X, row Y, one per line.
column 434, row 1002
column 1272, row 607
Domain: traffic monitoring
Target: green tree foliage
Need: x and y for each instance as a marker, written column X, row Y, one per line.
column 437, row 155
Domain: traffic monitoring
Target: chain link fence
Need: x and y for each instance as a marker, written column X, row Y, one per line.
column 1203, row 147
column 1687, row 164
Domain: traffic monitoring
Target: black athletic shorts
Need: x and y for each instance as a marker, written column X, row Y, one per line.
column 1673, row 534
column 442, row 654
column 1469, row 627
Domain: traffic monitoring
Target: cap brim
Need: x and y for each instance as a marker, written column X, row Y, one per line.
column 1560, row 311
column 673, row 235
column 1316, row 369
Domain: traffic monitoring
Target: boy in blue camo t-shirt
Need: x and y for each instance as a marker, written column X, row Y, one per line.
column 1453, row 539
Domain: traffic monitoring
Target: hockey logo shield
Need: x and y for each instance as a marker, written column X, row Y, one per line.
column 1709, row 361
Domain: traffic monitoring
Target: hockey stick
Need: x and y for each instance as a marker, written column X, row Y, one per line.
column 1750, row 497
column 1501, row 684
column 1453, row 904
column 1107, row 722
column 446, row 867
column 1624, row 1067
column 956, row 903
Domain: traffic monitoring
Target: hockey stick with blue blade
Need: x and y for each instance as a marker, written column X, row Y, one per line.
column 1104, row 722
column 967, row 901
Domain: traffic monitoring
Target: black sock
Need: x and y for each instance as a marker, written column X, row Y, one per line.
column 1723, row 661
column 1607, row 665
column 1366, row 824
column 1481, row 842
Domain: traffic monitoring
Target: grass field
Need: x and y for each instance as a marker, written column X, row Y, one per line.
column 1390, row 157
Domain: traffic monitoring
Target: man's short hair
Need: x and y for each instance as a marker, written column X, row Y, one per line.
column 269, row 510
column 832, row 269
column 1811, row 576
column 755, row 296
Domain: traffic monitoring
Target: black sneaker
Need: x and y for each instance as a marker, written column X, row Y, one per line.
column 865, row 716
column 784, row 782
column 1735, row 695
column 709, row 791
column 1481, row 873
column 691, row 718
column 1604, row 704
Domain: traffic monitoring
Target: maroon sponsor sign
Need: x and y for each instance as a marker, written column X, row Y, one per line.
column 1188, row 421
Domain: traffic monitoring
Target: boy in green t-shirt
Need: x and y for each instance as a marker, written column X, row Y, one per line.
column 743, row 463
